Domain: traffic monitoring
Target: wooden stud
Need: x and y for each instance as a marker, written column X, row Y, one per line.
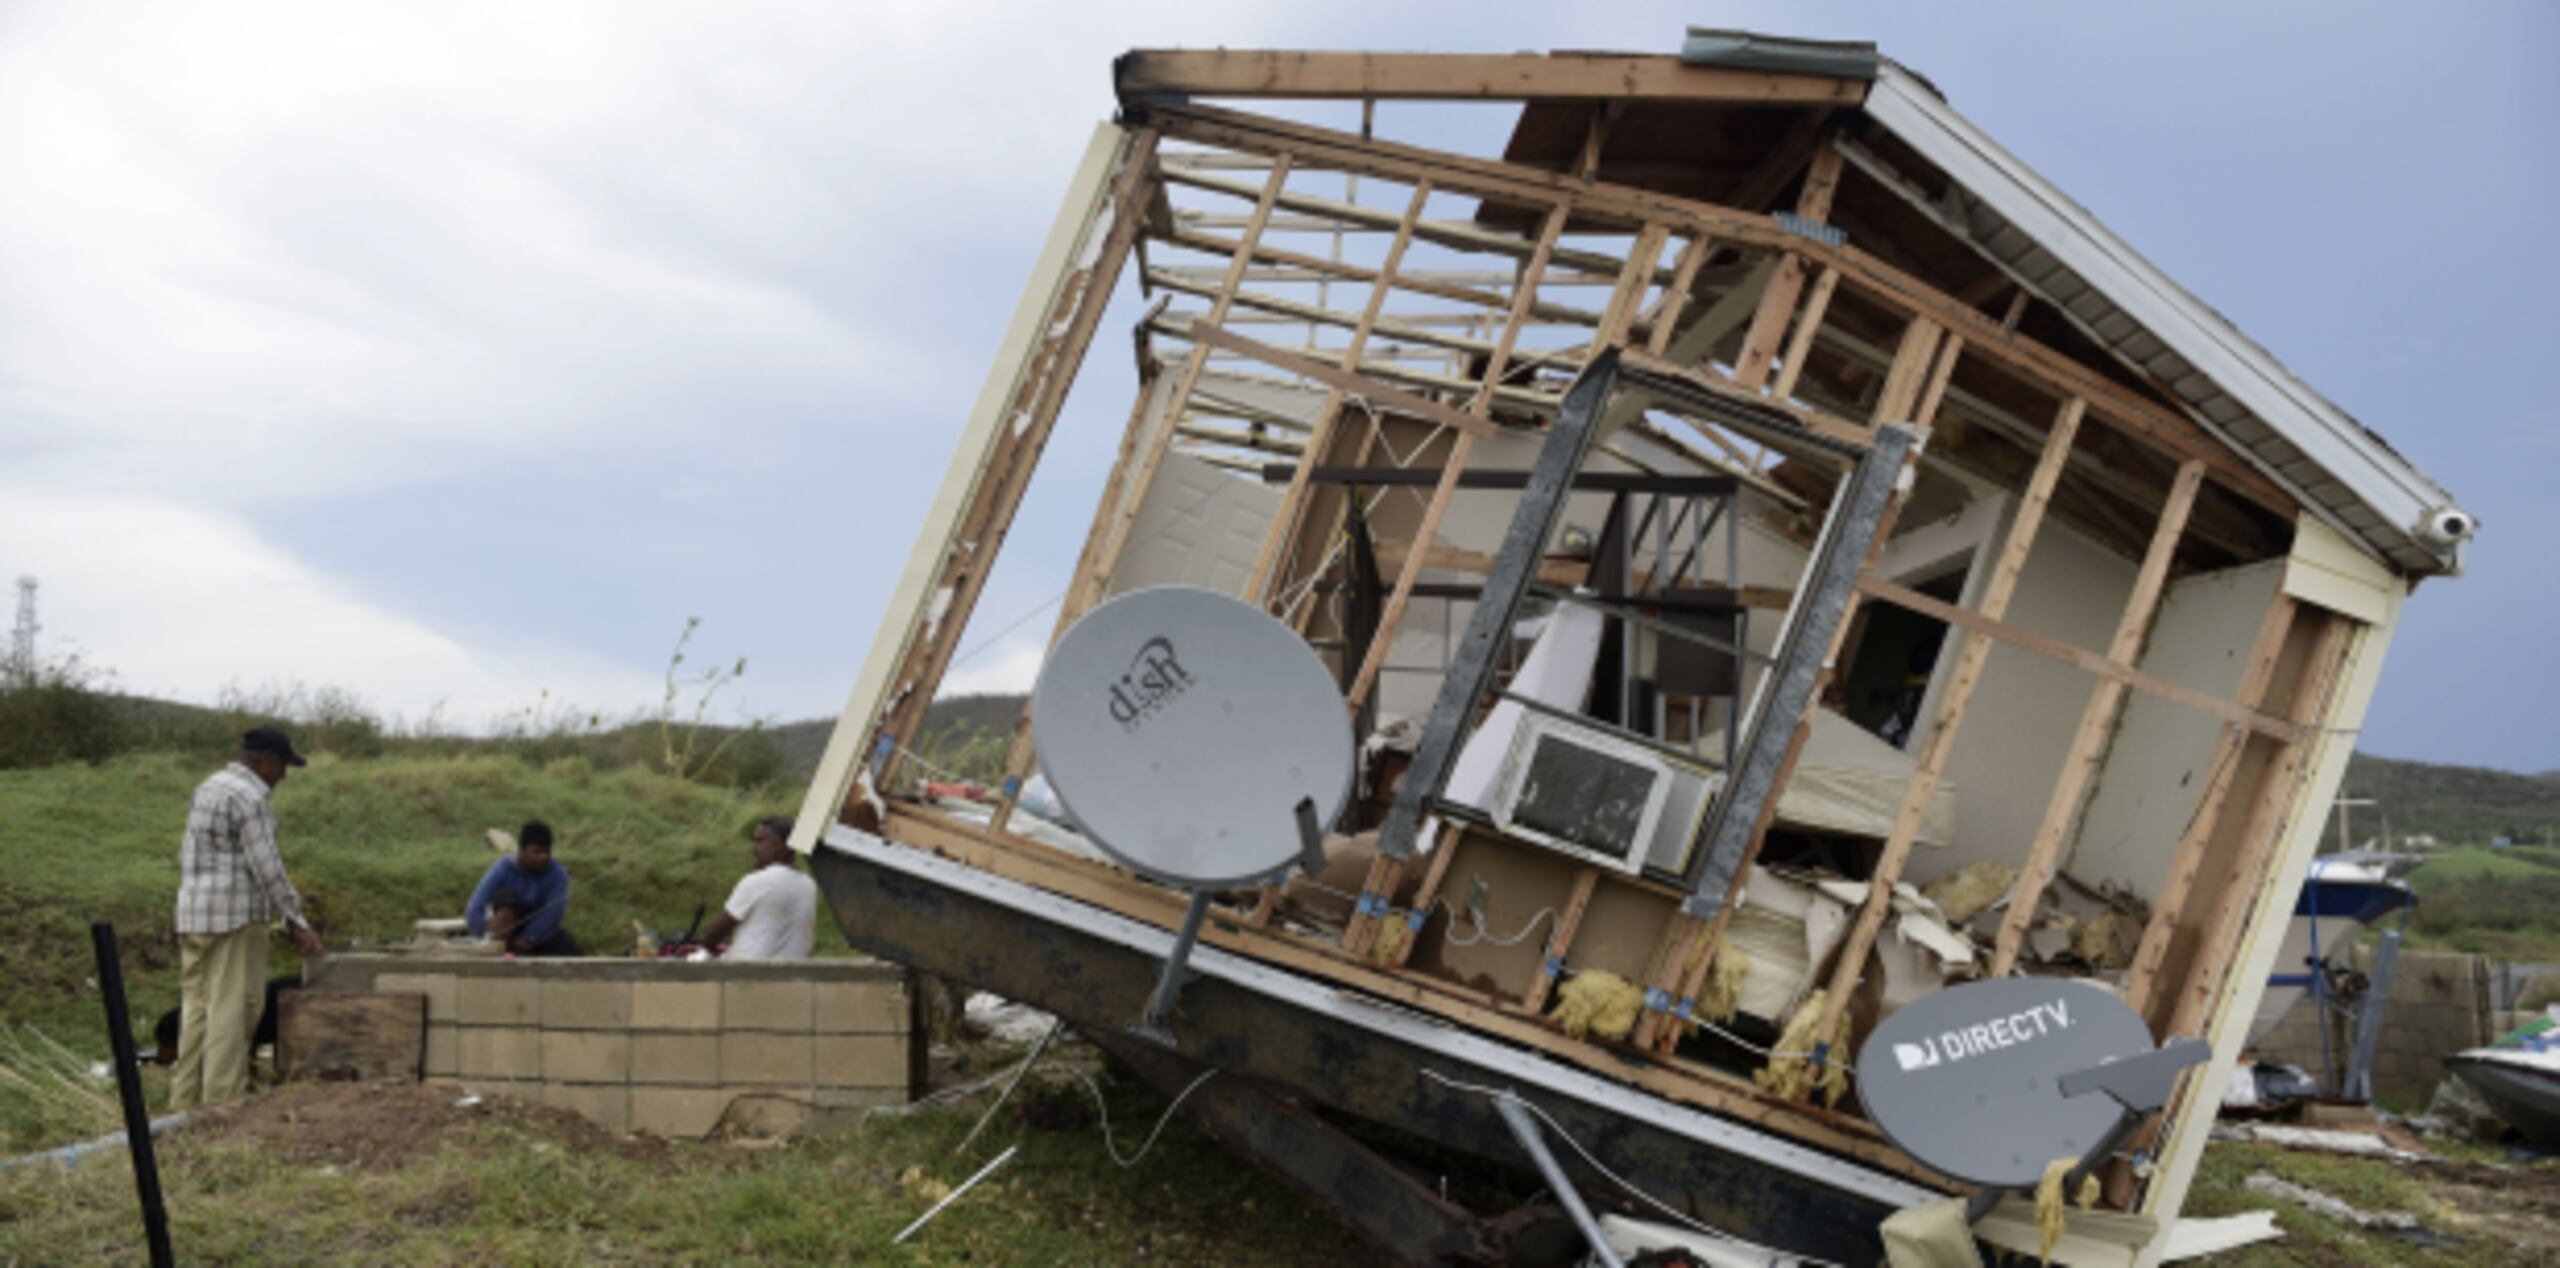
column 1432, row 876
column 1100, row 579
column 2078, row 657
column 2261, row 842
column 1815, row 304
column 1029, row 417
column 1560, row 939
column 2097, row 722
column 1393, row 615
column 1940, row 744
column 2114, row 404
column 1675, row 296
column 2170, row 905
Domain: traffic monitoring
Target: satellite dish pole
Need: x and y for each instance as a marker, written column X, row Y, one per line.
column 1197, row 742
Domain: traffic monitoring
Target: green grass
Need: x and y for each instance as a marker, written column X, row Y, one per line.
column 2476, row 863
column 372, row 844
column 520, row 1189
column 2499, row 903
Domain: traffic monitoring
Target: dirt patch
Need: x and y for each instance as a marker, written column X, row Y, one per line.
column 383, row 1125
column 2513, row 1204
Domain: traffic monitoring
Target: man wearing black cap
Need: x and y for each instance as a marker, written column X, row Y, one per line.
column 231, row 883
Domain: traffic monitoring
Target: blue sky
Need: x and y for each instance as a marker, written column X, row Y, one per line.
column 455, row 354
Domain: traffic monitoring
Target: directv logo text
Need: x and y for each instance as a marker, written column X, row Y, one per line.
column 1982, row 1037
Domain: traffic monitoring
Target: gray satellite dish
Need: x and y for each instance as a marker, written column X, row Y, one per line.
column 1198, row 742
column 1992, row 1081
column 1181, row 728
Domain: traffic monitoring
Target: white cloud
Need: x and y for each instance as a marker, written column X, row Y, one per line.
column 179, row 603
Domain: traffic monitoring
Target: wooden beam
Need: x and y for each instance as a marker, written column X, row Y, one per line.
column 1769, row 324
column 1393, row 614
column 1792, row 366
column 1182, row 387
column 2078, row 657
column 1458, row 235
column 1293, row 501
column 1940, row 744
column 1318, row 267
column 2110, row 402
column 1149, row 74
column 1207, row 334
column 2169, row 906
column 2097, row 722
column 2261, row 836
column 1009, row 426
column 1560, row 939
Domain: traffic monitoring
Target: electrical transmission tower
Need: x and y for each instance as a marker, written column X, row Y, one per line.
column 22, row 636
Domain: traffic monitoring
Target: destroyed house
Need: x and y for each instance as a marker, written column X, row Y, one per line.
column 1922, row 587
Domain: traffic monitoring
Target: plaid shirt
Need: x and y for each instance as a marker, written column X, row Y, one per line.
column 229, row 873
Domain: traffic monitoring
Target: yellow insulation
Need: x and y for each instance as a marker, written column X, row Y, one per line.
column 1597, row 1002
column 1721, row 997
column 2049, row 1206
column 1790, row 1070
column 1390, row 940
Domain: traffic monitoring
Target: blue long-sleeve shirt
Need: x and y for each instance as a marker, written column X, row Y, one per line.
column 545, row 895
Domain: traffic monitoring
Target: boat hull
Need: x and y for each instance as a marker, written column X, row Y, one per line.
column 2526, row 1095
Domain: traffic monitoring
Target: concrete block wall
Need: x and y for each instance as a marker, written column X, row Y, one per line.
column 2439, row 1006
column 666, row 1047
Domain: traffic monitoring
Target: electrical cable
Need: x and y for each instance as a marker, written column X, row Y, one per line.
column 1112, row 1145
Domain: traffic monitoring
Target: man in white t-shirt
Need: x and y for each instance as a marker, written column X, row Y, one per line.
column 774, row 909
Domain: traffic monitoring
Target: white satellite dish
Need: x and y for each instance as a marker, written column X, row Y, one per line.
column 1196, row 740
column 1181, row 728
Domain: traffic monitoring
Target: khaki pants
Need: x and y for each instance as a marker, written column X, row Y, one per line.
column 221, row 980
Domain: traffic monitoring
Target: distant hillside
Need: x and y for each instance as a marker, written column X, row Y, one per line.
column 2467, row 804
column 803, row 743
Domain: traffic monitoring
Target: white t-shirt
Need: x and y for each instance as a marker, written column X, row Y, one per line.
column 776, row 908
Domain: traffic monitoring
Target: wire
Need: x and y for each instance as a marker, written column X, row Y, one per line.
column 1150, row 1143
column 1622, row 1182
column 1020, row 1069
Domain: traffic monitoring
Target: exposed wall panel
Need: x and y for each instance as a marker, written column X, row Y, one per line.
column 2156, row 766
column 1199, row 526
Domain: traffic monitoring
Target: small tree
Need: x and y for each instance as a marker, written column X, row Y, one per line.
column 686, row 760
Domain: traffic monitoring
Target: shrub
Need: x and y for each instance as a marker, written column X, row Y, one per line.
column 58, row 712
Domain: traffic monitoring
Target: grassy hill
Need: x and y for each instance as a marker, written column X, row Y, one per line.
column 2464, row 805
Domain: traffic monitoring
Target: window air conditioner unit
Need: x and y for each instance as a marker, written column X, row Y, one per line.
column 1585, row 793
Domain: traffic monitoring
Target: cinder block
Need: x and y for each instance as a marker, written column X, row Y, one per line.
column 767, row 1115
column 444, row 1055
column 783, row 1005
column 490, row 1052
column 498, row 1001
column 568, row 1005
column 586, row 1056
column 676, row 1113
column 675, row 1006
column 844, row 1061
column 693, row 1059
column 437, row 987
column 845, row 1008
column 747, row 1057
column 607, row 1106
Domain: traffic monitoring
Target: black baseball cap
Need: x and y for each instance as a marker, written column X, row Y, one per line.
column 267, row 739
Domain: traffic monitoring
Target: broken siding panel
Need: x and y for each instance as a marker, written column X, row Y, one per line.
column 1198, row 526
column 2156, row 766
column 2327, row 570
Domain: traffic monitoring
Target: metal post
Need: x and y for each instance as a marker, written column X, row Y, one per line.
column 2377, row 998
column 137, row 1119
column 1157, row 1024
column 1525, row 1129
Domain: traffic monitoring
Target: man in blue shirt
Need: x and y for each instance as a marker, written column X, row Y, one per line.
column 536, row 887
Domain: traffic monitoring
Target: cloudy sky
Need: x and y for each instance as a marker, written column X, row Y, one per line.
column 456, row 353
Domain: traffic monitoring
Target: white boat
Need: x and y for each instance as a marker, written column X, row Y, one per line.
column 2520, row 1077
column 2342, row 894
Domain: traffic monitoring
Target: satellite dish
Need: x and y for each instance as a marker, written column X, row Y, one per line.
column 1181, row 729
column 1991, row 1081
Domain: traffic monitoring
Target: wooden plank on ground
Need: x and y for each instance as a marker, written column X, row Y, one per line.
column 359, row 1036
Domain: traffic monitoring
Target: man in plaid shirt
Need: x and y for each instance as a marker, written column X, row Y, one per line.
column 231, row 884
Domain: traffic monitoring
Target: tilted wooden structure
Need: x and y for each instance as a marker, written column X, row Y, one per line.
column 2144, row 579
